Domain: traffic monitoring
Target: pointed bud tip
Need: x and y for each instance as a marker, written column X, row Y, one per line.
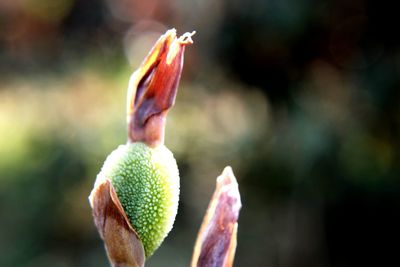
column 227, row 175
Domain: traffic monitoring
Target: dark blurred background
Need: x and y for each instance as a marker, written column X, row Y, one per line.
column 300, row 97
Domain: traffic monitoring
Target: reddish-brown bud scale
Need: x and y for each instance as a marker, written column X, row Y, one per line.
column 153, row 87
column 216, row 241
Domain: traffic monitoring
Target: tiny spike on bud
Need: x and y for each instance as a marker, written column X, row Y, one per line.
column 216, row 242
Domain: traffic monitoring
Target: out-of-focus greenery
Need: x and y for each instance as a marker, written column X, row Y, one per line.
column 301, row 98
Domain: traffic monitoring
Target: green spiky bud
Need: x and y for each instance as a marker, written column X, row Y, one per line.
column 146, row 181
column 135, row 197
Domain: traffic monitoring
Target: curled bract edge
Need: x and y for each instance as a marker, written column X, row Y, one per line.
column 216, row 241
column 123, row 246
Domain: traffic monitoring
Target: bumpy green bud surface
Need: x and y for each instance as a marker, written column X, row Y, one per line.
column 146, row 181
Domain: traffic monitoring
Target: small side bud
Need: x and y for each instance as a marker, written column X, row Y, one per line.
column 216, row 242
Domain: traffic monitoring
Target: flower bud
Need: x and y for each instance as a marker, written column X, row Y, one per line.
column 153, row 87
column 136, row 193
column 216, row 241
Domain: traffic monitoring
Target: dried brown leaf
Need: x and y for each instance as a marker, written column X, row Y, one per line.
column 124, row 248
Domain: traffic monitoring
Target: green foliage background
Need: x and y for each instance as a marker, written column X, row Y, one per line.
column 301, row 98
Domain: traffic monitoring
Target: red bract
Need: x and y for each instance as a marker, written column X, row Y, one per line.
column 153, row 87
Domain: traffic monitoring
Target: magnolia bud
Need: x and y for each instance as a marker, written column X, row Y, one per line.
column 135, row 197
